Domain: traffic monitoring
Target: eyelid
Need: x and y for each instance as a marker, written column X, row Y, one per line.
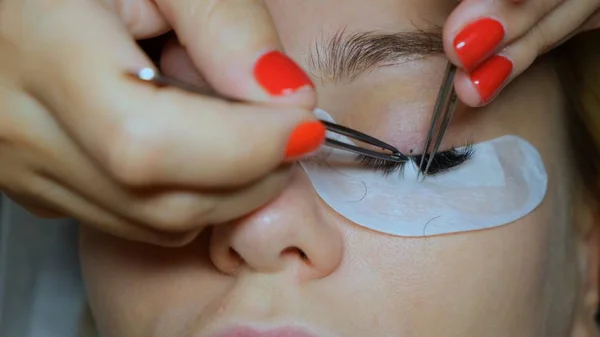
column 461, row 155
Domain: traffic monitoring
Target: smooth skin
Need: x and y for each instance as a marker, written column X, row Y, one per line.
column 79, row 138
column 297, row 262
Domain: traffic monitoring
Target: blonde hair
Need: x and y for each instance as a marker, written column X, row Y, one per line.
column 579, row 69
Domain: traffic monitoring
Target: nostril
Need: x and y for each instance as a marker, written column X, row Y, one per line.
column 230, row 261
column 234, row 255
column 290, row 251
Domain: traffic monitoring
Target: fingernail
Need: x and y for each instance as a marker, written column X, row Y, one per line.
column 279, row 75
column 306, row 138
column 489, row 77
column 477, row 41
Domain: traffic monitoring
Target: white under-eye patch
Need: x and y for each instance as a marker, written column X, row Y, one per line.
column 503, row 181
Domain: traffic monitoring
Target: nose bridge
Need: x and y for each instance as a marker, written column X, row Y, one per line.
column 291, row 232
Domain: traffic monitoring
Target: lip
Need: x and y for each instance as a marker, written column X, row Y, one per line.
column 251, row 332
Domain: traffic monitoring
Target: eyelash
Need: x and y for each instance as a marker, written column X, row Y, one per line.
column 442, row 162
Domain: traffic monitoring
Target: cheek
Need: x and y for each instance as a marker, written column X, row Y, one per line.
column 501, row 271
column 133, row 287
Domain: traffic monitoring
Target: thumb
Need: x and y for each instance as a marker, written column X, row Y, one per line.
column 236, row 48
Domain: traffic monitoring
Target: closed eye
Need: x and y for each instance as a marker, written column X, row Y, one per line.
column 442, row 161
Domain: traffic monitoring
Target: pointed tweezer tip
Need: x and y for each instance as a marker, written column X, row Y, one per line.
column 398, row 157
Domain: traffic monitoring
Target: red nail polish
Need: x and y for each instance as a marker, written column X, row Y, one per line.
column 279, row 75
column 490, row 76
column 306, row 138
column 477, row 41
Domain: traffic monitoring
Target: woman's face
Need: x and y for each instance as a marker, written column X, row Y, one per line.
column 298, row 264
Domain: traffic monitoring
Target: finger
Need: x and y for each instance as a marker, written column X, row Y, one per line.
column 142, row 136
column 191, row 211
column 486, row 81
column 35, row 207
column 176, row 62
column 477, row 29
column 32, row 144
column 593, row 22
column 483, row 84
column 166, row 210
column 142, row 17
column 235, row 204
column 37, row 193
column 235, row 46
column 68, row 202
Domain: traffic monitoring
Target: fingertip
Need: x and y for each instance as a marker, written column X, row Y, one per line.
column 281, row 78
column 482, row 85
column 465, row 90
column 472, row 34
column 176, row 62
column 304, row 139
column 304, row 98
column 284, row 80
column 451, row 52
column 236, row 47
column 451, row 27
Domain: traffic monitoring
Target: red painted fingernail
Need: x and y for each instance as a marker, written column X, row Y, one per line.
column 490, row 76
column 279, row 75
column 477, row 41
column 306, row 138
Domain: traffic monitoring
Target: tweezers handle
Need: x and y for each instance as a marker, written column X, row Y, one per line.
column 445, row 106
column 357, row 135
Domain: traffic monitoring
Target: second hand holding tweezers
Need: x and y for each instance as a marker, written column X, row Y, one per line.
column 443, row 112
column 392, row 154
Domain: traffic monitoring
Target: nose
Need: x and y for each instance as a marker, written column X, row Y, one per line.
column 293, row 233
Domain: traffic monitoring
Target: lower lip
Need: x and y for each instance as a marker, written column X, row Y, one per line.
column 247, row 332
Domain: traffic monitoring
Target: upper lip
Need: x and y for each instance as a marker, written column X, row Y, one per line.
column 251, row 332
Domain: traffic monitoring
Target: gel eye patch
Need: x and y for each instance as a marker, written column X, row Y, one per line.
column 503, row 181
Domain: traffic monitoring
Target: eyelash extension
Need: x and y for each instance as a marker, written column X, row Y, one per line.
column 380, row 165
column 442, row 162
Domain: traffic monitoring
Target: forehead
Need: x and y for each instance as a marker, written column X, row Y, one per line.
column 300, row 21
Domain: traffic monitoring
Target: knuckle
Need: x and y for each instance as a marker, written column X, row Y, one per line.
column 540, row 38
column 132, row 152
column 177, row 240
column 181, row 213
column 544, row 7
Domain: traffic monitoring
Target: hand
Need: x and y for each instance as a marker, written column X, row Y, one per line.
column 495, row 41
column 78, row 138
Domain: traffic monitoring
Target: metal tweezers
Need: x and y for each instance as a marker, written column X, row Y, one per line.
column 440, row 120
column 392, row 154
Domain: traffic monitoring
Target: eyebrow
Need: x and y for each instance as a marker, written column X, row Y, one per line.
column 345, row 56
